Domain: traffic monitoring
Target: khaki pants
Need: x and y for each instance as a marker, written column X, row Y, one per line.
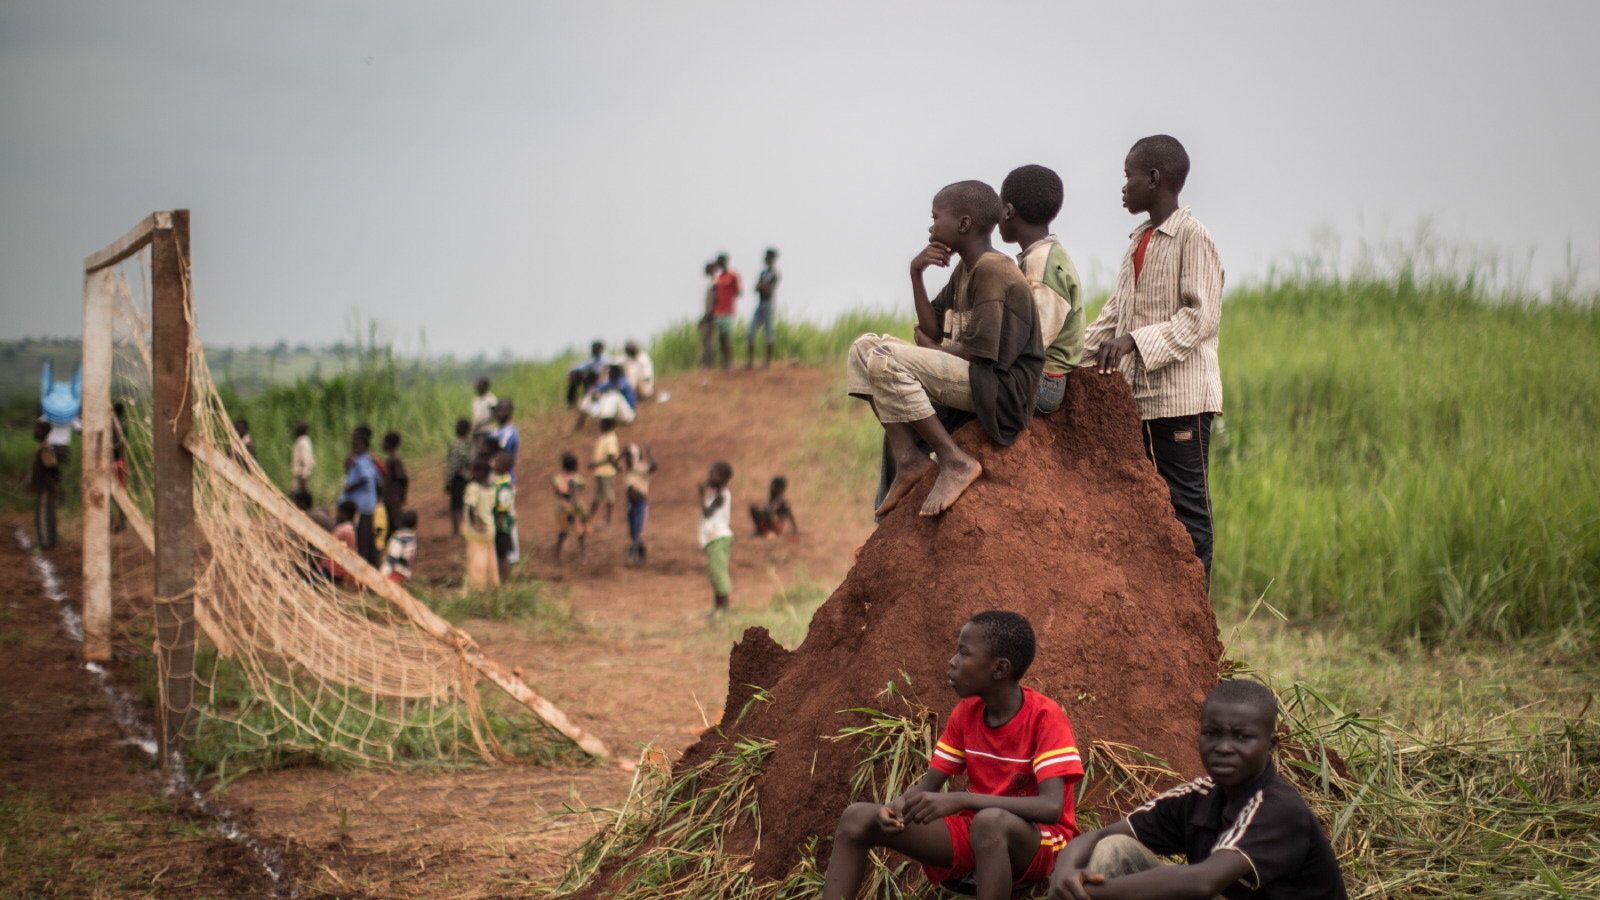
column 1120, row 855
column 903, row 381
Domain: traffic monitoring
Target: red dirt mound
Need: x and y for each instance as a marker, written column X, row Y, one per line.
column 1070, row 526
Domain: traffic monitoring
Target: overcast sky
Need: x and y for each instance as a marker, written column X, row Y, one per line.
column 530, row 175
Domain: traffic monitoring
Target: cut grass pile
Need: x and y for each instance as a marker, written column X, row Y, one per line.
column 1508, row 815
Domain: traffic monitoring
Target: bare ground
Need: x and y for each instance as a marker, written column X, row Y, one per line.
column 641, row 666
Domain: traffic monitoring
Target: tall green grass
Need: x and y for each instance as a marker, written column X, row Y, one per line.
column 1414, row 457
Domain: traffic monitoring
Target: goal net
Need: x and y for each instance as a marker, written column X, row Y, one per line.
column 286, row 663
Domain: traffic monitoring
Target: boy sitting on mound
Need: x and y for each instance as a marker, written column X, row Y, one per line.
column 984, row 356
column 1032, row 196
column 1245, row 832
column 1021, row 761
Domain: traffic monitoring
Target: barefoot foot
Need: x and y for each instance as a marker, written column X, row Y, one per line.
column 906, row 475
column 955, row 476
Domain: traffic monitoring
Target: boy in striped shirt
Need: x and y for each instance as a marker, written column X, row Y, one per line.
column 1159, row 328
column 1021, row 761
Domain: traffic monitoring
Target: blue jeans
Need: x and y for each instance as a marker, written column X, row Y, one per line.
column 763, row 319
column 1051, row 390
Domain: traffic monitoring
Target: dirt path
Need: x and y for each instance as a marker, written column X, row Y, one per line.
column 81, row 811
column 643, row 666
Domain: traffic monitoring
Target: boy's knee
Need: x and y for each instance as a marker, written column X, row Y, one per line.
column 1118, row 855
column 859, row 821
column 992, row 827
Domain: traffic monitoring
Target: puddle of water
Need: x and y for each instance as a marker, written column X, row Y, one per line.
column 138, row 733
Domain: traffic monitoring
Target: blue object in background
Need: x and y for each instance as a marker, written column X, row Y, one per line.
column 61, row 401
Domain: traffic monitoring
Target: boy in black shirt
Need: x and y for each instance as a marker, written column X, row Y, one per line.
column 983, row 355
column 1246, row 832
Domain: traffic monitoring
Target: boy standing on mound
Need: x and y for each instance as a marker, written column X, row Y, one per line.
column 984, row 356
column 1159, row 329
column 1032, row 196
column 1245, row 832
column 1021, row 762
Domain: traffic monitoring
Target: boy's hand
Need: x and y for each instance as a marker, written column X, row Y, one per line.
column 1111, row 353
column 931, row 806
column 935, row 254
column 890, row 821
column 923, row 340
column 1068, row 884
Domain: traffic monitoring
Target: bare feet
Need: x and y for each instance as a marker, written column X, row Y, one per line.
column 906, row 475
column 956, row 474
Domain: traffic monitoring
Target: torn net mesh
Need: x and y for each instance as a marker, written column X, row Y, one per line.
column 286, row 662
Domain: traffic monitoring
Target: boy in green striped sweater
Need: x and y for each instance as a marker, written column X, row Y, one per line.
column 1032, row 196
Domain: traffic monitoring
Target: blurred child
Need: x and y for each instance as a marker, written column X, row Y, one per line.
column 724, row 307
column 771, row 517
column 716, row 533
column 361, row 482
column 506, row 551
column 572, row 517
column 765, row 317
column 637, row 466
column 458, row 471
column 483, row 403
column 46, row 482
column 478, row 527
column 708, row 331
column 241, row 427
column 302, row 461
column 344, row 531
column 640, row 369
column 396, row 481
column 402, row 550
column 119, row 460
column 603, row 466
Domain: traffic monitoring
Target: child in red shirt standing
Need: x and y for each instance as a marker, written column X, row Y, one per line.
column 1021, row 761
column 725, row 293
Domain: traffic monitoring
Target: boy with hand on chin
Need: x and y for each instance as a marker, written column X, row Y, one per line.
column 1021, row 762
column 978, row 349
column 1245, row 831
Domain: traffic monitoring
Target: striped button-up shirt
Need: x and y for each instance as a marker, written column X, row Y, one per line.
column 1173, row 309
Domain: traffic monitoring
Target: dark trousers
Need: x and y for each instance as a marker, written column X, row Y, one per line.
column 1181, row 449
column 44, row 516
column 366, row 540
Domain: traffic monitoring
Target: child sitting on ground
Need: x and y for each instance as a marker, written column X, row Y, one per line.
column 1245, row 831
column 603, row 466
column 506, row 550
column 984, row 357
column 770, row 517
column 637, row 466
column 401, row 553
column 716, row 533
column 1021, row 761
column 477, row 525
column 612, row 398
column 1032, row 196
column 572, row 516
column 344, row 531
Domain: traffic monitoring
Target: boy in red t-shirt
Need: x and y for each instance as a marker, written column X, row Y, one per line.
column 725, row 300
column 1021, row 761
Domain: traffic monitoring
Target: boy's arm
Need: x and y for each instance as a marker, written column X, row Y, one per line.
column 1045, row 807
column 1200, row 881
column 1200, row 289
column 931, row 782
column 935, row 254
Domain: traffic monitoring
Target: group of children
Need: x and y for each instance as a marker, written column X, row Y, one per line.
column 1244, row 831
column 721, row 312
column 997, row 342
